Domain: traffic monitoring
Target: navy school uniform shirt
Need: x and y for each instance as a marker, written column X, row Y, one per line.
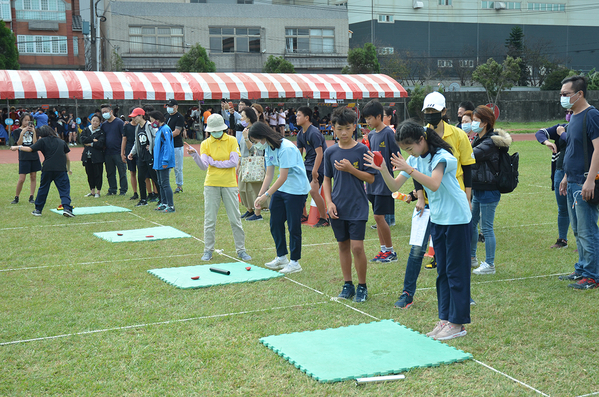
column 114, row 135
column 129, row 132
column 574, row 165
column 348, row 191
column 311, row 139
column 384, row 142
column 55, row 152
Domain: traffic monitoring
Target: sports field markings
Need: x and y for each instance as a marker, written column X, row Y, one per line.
column 510, row 377
column 97, row 331
column 59, row 225
column 590, row 394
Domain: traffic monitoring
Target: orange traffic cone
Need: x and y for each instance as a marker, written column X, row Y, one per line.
column 314, row 215
column 431, row 250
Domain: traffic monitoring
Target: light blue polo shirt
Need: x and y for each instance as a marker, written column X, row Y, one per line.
column 288, row 156
column 449, row 204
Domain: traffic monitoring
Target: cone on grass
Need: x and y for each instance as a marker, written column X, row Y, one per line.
column 314, row 215
column 431, row 251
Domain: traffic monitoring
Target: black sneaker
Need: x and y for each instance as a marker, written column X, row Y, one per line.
column 31, row 200
column 134, row 197
column 36, row 213
column 111, row 194
column 178, row 190
column 152, row 197
column 574, row 276
column 347, row 292
column 123, row 194
column 322, row 223
column 481, row 238
column 361, row 294
column 432, row 265
column 141, row 203
column 585, row 283
column 560, row 243
column 16, row 200
column 405, row 301
column 67, row 213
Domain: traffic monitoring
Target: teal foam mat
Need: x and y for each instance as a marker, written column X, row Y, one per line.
column 101, row 209
column 148, row 234
column 181, row 277
column 359, row 351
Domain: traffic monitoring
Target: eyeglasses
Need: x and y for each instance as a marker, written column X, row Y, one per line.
column 566, row 94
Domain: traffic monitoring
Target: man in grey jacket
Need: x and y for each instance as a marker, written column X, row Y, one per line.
column 143, row 147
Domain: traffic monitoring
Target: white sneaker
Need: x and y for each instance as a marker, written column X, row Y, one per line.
column 97, row 195
column 89, row 195
column 278, row 263
column 484, row 268
column 473, row 263
column 292, row 267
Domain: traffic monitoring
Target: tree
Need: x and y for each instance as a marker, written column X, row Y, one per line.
column 495, row 77
column 196, row 61
column 553, row 81
column 362, row 60
column 417, row 100
column 277, row 65
column 9, row 55
column 515, row 49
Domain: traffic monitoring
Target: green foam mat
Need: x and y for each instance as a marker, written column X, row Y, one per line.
column 360, row 351
column 148, row 234
column 102, row 209
column 181, row 277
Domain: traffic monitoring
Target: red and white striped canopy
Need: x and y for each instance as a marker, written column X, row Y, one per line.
column 30, row 84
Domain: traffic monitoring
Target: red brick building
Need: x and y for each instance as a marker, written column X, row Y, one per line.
column 49, row 33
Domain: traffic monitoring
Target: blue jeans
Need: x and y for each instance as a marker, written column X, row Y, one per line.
column 164, row 184
column 563, row 218
column 583, row 218
column 415, row 263
column 62, row 183
column 285, row 207
column 179, row 166
column 485, row 213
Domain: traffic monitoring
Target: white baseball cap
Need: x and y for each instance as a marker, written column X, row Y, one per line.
column 434, row 100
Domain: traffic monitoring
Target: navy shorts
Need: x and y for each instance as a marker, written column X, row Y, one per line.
column 29, row 166
column 132, row 164
column 381, row 205
column 348, row 230
column 320, row 177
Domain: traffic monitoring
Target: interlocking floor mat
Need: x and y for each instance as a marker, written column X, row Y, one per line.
column 358, row 351
column 101, row 209
column 181, row 277
column 148, row 234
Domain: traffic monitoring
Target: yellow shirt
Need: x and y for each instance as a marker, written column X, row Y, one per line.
column 462, row 149
column 220, row 150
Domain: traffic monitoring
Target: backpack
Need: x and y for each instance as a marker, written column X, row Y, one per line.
column 507, row 177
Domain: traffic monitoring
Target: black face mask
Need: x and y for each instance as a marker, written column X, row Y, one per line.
column 460, row 119
column 433, row 118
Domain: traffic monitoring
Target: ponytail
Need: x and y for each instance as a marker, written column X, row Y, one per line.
column 410, row 132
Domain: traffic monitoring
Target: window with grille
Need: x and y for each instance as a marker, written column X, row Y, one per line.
column 50, row 45
column 310, row 41
column 155, row 39
column 230, row 39
column 40, row 10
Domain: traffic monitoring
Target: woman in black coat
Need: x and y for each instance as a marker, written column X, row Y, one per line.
column 93, row 140
column 485, row 193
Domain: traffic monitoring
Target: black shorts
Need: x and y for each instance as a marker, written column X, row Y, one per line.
column 29, row 166
column 132, row 164
column 381, row 205
column 348, row 230
column 320, row 177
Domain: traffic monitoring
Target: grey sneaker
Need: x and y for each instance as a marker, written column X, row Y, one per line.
column 278, row 263
column 292, row 267
column 437, row 328
column 473, row 262
column 574, row 276
column 450, row 331
column 36, row 213
column 67, row 213
column 207, row 256
column 243, row 255
column 484, row 268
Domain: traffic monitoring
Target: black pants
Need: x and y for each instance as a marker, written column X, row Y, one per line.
column 114, row 162
column 94, row 173
column 143, row 168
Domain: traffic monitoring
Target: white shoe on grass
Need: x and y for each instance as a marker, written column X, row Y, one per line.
column 278, row 263
column 484, row 268
column 292, row 267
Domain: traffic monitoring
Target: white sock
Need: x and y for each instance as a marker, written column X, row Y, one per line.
column 383, row 248
column 388, row 249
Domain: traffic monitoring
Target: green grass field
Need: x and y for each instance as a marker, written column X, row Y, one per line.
column 82, row 317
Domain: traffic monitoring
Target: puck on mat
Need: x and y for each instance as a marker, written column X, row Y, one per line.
column 149, row 236
column 119, row 234
column 248, row 268
column 195, row 278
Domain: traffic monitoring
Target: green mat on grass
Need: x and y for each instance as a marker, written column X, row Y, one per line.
column 359, row 351
column 180, row 277
column 148, row 234
column 101, row 209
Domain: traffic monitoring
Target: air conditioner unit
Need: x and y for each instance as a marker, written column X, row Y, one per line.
column 500, row 5
column 417, row 4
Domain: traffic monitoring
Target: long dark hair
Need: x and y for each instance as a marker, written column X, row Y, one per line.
column 410, row 132
column 262, row 130
column 391, row 112
column 46, row 131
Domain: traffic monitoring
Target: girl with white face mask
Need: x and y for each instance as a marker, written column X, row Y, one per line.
column 287, row 195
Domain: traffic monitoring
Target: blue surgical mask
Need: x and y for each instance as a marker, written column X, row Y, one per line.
column 565, row 102
column 260, row 146
column 106, row 116
column 170, row 110
column 476, row 127
column 217, row 134
column 467, row 127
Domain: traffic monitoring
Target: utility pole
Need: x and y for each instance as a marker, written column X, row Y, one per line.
column 92, row 32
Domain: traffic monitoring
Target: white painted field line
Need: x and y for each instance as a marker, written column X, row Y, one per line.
column 156, row 223
column 59, row 225
column 96, row 331
column 510, row 377
column 590, row 394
